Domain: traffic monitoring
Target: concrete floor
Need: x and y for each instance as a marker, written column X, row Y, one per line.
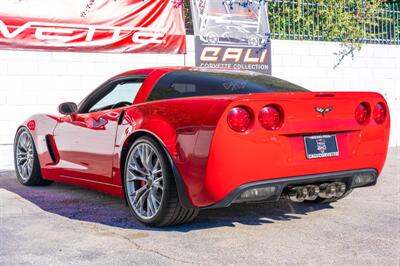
column 65, row 225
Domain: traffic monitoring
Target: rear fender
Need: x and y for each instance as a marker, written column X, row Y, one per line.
column 162, row 132
column 184, row 127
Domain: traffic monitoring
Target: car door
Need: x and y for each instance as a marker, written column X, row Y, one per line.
column 86, row 140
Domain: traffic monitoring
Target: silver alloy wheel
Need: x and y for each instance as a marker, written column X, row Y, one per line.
column 144, row 181
column 24, row 155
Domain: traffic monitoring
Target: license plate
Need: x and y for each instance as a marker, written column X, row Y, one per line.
column 321, row 146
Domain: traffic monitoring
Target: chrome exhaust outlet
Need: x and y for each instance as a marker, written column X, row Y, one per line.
column 312, row 192
column 327, row 191
column 340, row 189
column 332, row 190
column 298, row 194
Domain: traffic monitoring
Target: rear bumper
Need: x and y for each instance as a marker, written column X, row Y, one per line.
column 280, row 184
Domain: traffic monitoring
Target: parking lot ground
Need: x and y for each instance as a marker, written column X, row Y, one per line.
column 66, row 225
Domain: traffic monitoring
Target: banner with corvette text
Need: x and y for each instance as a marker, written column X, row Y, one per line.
column 116, row 26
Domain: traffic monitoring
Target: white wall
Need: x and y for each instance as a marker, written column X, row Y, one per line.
column 36, row 82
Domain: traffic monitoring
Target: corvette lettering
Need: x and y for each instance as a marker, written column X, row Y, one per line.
column 65, row 32
column 106, row 26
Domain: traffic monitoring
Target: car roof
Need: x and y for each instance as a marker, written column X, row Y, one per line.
column 155, row 73
column 167, row 69
column 147, row 71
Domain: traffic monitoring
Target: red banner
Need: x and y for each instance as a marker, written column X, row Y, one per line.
column 117, row 26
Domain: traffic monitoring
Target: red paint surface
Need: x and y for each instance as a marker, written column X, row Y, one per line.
column 212, row 158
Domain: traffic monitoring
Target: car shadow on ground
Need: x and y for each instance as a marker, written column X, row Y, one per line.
column 91, row 206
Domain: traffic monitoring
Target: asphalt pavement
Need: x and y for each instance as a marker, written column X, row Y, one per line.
column 66, row 225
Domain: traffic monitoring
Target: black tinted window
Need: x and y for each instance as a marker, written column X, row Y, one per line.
column 189, row 83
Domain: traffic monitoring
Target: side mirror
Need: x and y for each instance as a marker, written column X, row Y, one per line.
column 67, row 108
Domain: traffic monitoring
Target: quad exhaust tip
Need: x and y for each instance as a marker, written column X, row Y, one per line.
column 312, row 192
column 332, row 190
column 298, row 194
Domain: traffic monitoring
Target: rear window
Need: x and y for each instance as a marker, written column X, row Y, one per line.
column 191, row 83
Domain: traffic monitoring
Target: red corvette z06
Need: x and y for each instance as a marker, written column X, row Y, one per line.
column 173, row 141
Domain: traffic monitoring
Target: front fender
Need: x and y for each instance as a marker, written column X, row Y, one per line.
column 41, row 125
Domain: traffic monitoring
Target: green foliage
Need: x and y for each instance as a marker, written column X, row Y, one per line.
column 328, row 20
column 351, row 22
column 188, row 16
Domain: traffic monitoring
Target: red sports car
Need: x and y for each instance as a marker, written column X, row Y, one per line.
column 176, row 140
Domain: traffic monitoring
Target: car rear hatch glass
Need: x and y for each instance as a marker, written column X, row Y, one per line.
column 194, row 83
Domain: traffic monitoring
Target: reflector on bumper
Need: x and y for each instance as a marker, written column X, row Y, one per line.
column 363, row 179
column 257, row 194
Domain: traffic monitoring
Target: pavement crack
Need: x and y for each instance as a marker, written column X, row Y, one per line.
column 139, row 247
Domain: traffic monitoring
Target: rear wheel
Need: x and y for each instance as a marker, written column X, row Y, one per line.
column 26, row 160
column 150, row 186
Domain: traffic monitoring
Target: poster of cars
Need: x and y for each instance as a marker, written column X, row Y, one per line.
column 118, row 26
column 232, row 34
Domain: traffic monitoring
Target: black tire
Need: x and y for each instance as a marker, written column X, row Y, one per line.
column 171, row 211
column 34, row 178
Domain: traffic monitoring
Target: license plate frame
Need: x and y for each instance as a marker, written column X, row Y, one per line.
column 321, row 146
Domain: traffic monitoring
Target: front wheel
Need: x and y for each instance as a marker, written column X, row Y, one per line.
column 150, row 186
column 26, row 160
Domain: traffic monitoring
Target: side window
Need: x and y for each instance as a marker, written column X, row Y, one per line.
column 122, row 94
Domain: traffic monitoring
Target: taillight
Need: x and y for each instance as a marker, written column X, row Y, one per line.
column 363, row 113
column 380, row 113
column 271, row 117
column 239, row 119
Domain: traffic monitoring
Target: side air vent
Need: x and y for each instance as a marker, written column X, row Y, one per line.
column 51, row 148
